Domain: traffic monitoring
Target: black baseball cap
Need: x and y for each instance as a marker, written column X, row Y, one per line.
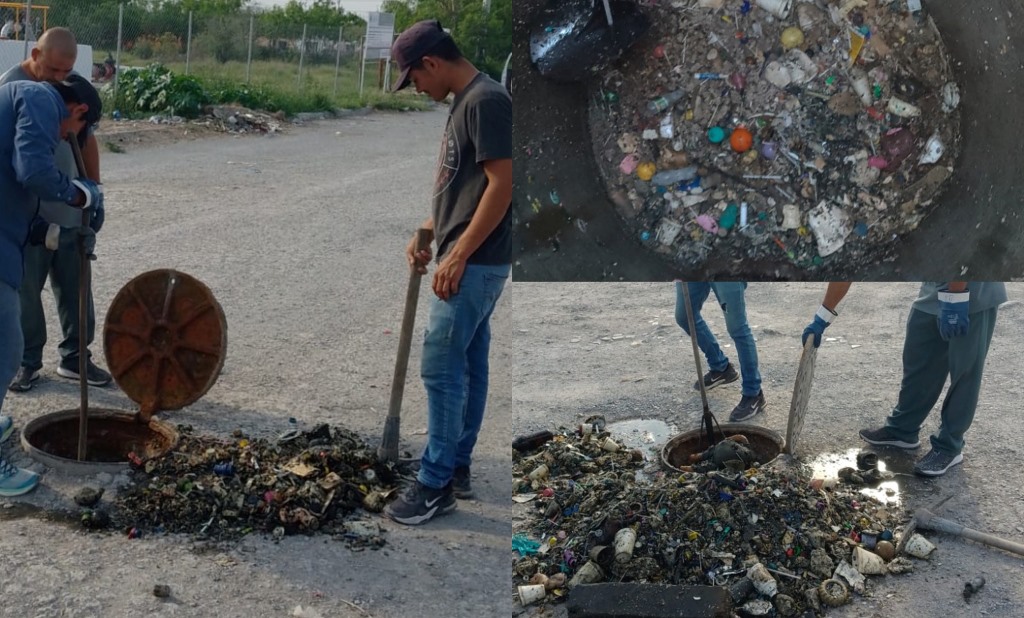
column 77, row 89
column 410, row 47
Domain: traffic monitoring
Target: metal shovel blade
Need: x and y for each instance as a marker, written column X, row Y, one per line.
column 801, row 395
column 572, row 39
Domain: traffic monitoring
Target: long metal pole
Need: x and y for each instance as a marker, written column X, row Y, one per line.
column 337, row 61
column 117, row 59
column 188, row 44
column 27, row 21
column 362, row 65
column 248, row 61
column 84, row 286
column 302, row 57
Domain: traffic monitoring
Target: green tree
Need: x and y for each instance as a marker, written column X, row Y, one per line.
column 484, row 37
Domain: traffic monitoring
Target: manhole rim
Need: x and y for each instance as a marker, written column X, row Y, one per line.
column 73, row 466
column 728, row 429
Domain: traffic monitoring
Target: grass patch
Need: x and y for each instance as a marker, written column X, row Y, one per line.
column 273, row 86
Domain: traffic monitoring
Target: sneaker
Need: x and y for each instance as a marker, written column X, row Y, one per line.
column 460, row 483
column 15, row 481
column 94, row 375
column 748, row 407
column 419, row 504
column 936, row 463
column 716, row 378
column 6, row 427
column 882, row 437
column 22, row 382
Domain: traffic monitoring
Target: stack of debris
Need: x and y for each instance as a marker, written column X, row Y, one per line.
column 780, row 541
column 236, row 119
column 778, row 130
column 302, row 482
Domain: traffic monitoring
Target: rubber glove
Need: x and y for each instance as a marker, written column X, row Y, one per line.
column 93, row 193
column 953, row 318
column 822, row 319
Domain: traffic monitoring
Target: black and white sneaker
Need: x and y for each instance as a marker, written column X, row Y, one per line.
column 748, row 407
column 419, row 504
column 936, row 463
column 717, row 378
column 882, row 437
column 461, row 486
column 93, row 374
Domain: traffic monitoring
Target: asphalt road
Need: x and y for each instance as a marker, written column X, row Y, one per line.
column 976, row 227
column 301, row 237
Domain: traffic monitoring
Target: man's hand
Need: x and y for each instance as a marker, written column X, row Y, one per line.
column 90, row 194
column 419, row 258
column 99, row 214
column 88, row 237
column 953, row 316
column 448, row 275
column 817, row 328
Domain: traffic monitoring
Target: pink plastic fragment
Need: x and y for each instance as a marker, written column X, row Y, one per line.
column 708, row 223
column 629, row 164
column 878, row 162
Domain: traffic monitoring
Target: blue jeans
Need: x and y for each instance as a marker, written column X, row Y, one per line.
column 11, row 342
column 730, row 297
column 454, row 371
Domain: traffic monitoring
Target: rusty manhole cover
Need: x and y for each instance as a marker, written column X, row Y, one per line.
column 165, row 340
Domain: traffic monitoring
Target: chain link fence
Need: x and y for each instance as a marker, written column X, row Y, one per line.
column 241, row 48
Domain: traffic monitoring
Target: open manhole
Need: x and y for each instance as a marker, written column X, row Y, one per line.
column 165, row 340
column 767, row 444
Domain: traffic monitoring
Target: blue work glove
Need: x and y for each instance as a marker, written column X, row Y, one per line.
column 99, row 214
column 816, row 328
column 88, row 237
column 93, row 193
column 953, row 307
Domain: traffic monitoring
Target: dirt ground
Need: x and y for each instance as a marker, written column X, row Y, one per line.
column 976, row 226
column 615, row 349
column 300, row 236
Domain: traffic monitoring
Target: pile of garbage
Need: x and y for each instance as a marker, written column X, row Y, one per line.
column 798, row 132
column 778, row 539
column 300, row 482
column 236, row 119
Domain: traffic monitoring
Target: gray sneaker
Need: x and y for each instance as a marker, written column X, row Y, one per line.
column 718, row 378
column 23, row 380
column 882, row 437
column 15, row 481
column 460, row 483
column 936, row 463
column 748, row 407
column 419, row 504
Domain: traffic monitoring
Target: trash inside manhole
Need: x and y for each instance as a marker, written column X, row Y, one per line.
column 747, row 444
column 780, row 542
column 112, row 436
column 775, row 132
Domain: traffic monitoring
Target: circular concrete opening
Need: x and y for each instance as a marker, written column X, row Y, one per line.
column 112, row 436
column 765, row 442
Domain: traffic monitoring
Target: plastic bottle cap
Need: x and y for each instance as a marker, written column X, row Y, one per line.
column 716, row 135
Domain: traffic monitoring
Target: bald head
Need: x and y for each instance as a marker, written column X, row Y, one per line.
column 54, row 55
column 58, row 41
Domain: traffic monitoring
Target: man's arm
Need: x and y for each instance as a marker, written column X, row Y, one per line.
column 35, row 139
column 835, row 293
column 91, row 157
column 494, row 204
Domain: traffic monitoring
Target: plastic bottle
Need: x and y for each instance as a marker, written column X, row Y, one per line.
column 671, row 177
column 662, row 103
column 532, row 441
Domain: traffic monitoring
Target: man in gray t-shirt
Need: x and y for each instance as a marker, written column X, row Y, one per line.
column 52, row 59
column 472, row 227
column 948, row 335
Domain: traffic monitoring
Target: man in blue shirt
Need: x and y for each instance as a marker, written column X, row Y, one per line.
column 948, row 335
column 33, row 118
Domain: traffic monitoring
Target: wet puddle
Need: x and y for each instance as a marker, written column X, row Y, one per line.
column 648, row 435
column 887, row 491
